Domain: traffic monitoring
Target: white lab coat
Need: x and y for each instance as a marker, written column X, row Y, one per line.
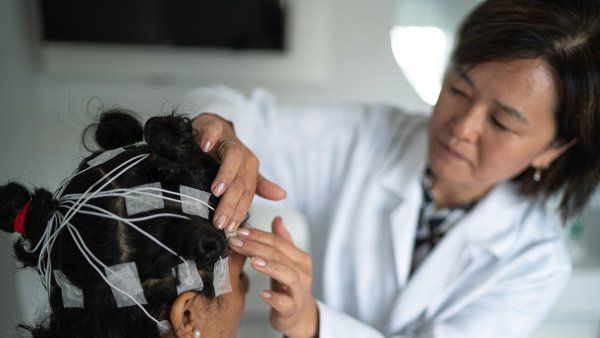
column 354, row 171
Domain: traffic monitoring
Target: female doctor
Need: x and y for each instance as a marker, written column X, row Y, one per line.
column 447, row 226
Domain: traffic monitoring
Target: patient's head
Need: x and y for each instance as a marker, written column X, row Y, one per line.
column 143, row 206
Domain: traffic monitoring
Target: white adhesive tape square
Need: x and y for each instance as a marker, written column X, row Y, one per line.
column 188, row 277
column 105, row 156
column 191, row 206
column 72, row 296
column 136, row 203
column 221, row 280
column 125, row 277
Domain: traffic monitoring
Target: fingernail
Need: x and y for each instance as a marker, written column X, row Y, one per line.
column 221, row 221
column 219, row 189
column 236, row 242
column 231, row 226
column 258, row 261
column 266, row 295
column 206, row 146
column 243, row 232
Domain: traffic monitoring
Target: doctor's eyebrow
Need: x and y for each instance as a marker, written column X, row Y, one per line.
column 463, row 74
column 511, row 111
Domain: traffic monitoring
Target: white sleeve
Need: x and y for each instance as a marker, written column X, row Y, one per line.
column 336, row 324
column 218, row 99
column 308, row 150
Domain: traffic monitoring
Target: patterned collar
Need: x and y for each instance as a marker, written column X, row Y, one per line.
column 434, row 223
column 428, row 197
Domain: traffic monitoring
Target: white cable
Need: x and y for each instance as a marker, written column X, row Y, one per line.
column 78, row 203
column 107, row 214
column 136, row 159
column 50, row 233
column 137, row 219
column 102, row 178
column 122, row 192
column 70, row 228
column 63, row 185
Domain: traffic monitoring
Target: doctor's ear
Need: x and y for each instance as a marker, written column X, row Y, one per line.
column 554, row 151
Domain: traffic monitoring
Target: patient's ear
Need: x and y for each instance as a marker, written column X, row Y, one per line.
column 182, row 314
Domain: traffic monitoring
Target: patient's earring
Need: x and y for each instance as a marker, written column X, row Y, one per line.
column 197, row 333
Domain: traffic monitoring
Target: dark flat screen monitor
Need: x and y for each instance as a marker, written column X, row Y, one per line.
column 233, row 24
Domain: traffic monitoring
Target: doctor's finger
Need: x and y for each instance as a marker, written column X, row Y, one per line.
column 269, row 190
column 250, row 248
column 302, row 259
column 241, row 210
column 275, row 241
column 209, row 134
column 227, row 205
column 281, row 303
column 279, row 229
column 283, row 274
column 247, row 180
column 230, row 165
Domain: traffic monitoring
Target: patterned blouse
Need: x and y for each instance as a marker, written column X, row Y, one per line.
column 433, row 223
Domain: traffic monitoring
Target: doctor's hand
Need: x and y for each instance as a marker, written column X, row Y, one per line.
column 238, row 178
column 293, row 308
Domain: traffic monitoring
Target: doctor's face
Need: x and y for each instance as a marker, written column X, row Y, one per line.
column 492, row 121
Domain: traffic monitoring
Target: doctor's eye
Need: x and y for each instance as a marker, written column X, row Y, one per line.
column 499, row 125
column 459, row 92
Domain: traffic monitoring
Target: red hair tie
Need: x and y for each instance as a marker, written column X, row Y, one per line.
column 19, row 225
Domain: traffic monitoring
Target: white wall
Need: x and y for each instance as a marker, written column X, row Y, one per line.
column 20, row 143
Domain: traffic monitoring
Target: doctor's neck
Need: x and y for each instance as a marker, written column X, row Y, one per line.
column 447, row 194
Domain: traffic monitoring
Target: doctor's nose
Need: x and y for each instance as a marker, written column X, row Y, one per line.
column 467, row 127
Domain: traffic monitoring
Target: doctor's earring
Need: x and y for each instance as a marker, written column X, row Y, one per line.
column 196, row 333
column 537, row 174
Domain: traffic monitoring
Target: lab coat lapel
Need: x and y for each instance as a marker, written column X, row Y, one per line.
column 403, row 221
column 489, row 232
column 490, row 226
column 430, row 279
column 402, row 179
column 483, row 235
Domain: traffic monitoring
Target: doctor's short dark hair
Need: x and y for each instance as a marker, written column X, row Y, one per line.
column 566, row 34
column 174, row 160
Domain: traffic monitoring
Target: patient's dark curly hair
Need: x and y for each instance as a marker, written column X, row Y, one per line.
column 174, row 160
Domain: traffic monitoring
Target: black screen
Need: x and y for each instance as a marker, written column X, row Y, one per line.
column 237, row 24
